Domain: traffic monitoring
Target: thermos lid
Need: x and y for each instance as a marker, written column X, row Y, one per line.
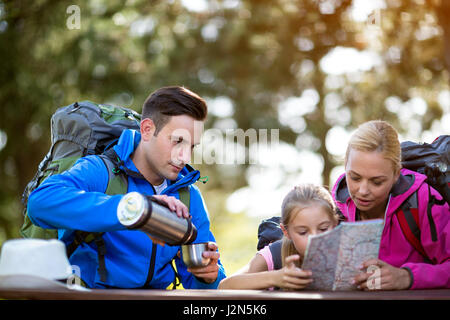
column 130, row 208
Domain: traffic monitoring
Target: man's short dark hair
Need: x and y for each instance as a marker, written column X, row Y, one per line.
column 173, row 101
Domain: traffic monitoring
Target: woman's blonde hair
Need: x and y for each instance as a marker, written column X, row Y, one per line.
column 380, row 136
column 301, row 197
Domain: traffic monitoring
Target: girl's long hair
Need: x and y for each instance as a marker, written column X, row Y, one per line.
column 301, row 197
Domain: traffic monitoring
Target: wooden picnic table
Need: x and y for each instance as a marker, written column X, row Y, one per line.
column 151, row 294
column 224, row 304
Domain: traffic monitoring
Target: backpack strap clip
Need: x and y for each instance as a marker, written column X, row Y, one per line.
column 119, row 165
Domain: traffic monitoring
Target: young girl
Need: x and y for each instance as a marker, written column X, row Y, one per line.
column 306, row 210
column 375, row 186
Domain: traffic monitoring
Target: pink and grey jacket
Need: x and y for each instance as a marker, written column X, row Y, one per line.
column 428, row 272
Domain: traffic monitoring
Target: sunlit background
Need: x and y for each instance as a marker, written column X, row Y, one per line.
column 309, row 70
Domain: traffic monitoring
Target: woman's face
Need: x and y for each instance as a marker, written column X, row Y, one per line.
column 370, row 178
column 307, row 222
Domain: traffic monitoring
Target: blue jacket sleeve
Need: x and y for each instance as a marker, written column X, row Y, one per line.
column 75, row 199
column 201, row 221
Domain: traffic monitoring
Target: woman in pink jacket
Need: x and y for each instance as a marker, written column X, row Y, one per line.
column 375, row 186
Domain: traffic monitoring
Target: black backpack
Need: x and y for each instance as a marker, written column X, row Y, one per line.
column 432, row 160
column 269, row 233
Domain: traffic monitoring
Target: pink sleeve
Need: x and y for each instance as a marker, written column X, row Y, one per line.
column 267, row 255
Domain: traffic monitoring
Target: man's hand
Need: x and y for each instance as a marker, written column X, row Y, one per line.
column 174, row 205
column 210, row 272
column 384, row 277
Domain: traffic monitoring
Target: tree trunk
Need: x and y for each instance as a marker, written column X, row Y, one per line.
column 443, row 14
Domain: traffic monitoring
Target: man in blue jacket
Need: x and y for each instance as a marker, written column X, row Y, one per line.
column 75, row 200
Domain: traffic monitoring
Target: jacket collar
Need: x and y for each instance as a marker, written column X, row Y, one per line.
column 403, row 184
column 341, row 192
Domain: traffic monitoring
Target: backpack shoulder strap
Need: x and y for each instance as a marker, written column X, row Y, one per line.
column 431, row 202
column 275, row 250
column 117, row 179
column 87, row 237
column 118, row 164
column 117, row 184
column 185, row 196
column 408, row 218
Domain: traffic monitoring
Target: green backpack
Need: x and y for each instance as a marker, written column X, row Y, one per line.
column 80, row 129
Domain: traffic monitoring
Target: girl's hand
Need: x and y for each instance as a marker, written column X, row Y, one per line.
column 383, row 276
column 292, row 277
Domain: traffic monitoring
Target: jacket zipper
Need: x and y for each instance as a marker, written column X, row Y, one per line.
column 151, row 269
column 387, row 207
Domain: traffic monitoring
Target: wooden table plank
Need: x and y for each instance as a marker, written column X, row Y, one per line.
column 126, row 294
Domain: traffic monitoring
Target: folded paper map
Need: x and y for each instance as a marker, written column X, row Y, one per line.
column 334, row 257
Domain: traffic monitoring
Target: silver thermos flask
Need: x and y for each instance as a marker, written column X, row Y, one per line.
column 136, row 211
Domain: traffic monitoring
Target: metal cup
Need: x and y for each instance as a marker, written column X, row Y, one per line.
column 192, row 254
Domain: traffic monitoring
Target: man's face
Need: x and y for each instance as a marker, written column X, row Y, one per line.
column 171, row 149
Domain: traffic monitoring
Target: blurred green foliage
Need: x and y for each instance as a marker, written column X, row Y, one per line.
column 255, row 52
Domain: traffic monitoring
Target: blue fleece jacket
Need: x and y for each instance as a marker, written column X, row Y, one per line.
column 75, row 200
